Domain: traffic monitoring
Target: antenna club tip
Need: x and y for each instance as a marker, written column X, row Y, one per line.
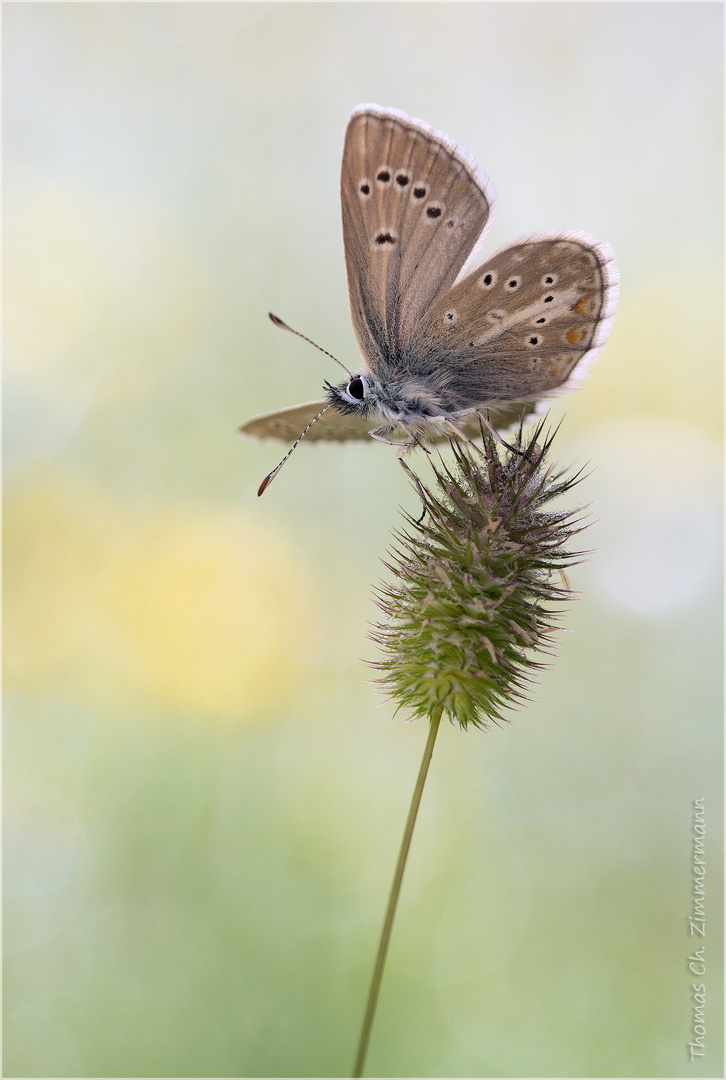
column 276, row 320
column 264, row 484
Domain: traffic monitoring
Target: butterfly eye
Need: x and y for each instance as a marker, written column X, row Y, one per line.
column 355, row 388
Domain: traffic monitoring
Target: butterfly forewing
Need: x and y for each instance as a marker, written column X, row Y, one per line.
column 286, row 424
column 413, row 208
column 518, row 325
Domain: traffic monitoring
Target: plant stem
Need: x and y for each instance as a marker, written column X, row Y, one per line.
column 394, row 894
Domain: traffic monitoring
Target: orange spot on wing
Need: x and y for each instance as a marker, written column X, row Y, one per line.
column 581, row 304
column 572, row 336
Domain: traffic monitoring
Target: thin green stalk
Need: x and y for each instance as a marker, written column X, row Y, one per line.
column 395, row 892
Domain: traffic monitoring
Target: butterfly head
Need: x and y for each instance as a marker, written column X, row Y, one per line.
column 356, row 395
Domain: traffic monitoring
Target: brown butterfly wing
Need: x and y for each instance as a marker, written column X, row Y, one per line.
column 517, row 327
column 414, row 205
column 287, row 424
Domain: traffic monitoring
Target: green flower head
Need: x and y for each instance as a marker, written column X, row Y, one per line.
column 472, row 598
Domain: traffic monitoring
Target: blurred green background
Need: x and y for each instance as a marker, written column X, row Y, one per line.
column 203, row 795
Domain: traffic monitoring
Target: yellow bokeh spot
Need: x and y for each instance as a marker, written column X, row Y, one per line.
column 99, row 287
column 197, row 609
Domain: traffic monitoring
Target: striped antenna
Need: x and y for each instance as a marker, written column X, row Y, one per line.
column 283, row 326
column 271, row 476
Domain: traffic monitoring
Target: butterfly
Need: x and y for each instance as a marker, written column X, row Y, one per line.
column 441, row 350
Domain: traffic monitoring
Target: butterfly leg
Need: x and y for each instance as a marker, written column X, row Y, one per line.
column 377, row 433
column 404, row 447
column 464, row 437
column 418, row 485
column 420, row 445
column 493, row 431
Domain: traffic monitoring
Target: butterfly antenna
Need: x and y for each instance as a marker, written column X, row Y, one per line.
column 283, row 326
column 271, row 476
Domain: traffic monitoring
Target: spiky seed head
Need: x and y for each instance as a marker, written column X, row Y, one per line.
column 476, row 582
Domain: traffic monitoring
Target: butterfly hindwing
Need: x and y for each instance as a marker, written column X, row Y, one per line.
column 414, row 206
column 517, row 326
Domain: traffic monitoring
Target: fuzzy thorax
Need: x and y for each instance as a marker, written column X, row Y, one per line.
column 418, row 409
